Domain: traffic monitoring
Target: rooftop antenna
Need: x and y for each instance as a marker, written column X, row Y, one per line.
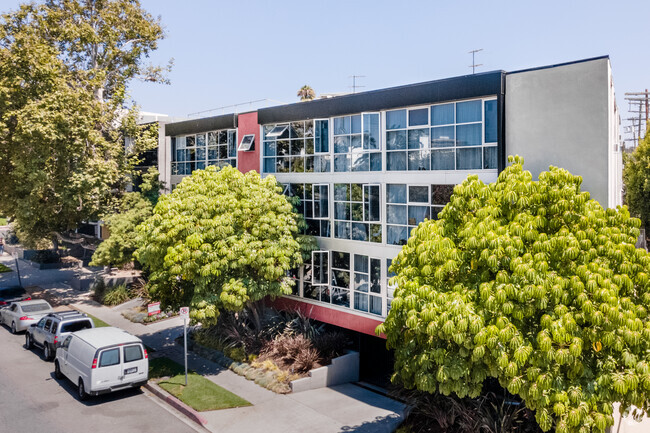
column 354, row 82
column 474, row 65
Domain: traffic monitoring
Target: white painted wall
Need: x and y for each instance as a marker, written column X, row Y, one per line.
column 566, row 116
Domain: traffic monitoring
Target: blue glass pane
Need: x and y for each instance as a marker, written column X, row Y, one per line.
column 396, row 161
column 396, row 140
column 396, row 235
column 417, row 214
column 396, row 214
column 469, row 111
column 443, row 136
column 355, row 141
column 342, row 211
column 375, row 305
column 396, row 193
column 468, row 135
column 322, row 128
column 360, row 161
column 418, row 138
column 419, row 160
column 342, row 125
column 342, row 192
column 360, row 301
column 442, row 114
column 490, row 157
column 200, row 140
column 341, row 230
column 419, row 117
column 371, row 131
column 469, row 159
column 375, row 161
column 396, row 119
column 491, row 121
column 341, row 163
column 359, row 232
column 342, row 144
column 443, row 159
column 356, row 124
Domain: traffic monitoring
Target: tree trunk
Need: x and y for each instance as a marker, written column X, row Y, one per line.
column 253, row 307
column 55, row 243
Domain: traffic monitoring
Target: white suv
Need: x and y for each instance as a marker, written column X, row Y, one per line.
column 53, row 328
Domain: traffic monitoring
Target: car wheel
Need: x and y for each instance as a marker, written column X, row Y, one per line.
column 28, row 341
column 13, row 328
column 47, row 352
column 82, row 391
column 57, row 370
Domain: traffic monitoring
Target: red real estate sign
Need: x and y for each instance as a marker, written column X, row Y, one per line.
column 153, row 308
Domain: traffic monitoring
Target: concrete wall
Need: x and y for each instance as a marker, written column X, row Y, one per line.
column 564, row 116
column 344, row 369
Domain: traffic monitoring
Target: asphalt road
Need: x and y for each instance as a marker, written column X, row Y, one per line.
column 32, row 400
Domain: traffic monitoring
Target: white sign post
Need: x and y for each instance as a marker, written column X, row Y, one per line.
column 185, row 314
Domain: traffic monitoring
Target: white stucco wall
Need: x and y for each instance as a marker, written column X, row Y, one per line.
column 566, row 116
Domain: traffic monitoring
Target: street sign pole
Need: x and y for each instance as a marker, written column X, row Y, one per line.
column 185, row 314
column 185, row 346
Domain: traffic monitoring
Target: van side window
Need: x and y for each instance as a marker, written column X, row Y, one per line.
column 66, row 342
column 132, row 353
column 48, row 323
column 109, row 357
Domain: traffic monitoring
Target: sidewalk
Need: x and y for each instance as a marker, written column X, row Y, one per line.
column 343, row 408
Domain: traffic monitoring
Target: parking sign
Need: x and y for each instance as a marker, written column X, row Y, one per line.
column 184, row 312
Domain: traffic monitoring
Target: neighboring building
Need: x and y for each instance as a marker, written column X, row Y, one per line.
column 371, row 166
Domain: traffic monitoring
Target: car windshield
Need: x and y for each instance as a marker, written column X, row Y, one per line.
column 32, row 308
column 76, row 326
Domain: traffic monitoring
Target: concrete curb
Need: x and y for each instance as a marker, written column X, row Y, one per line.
column 176, row 403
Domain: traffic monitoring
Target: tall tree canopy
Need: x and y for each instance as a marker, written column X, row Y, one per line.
column 534, row 284
column 221, row 239
column 64, row 70
column 636, row 176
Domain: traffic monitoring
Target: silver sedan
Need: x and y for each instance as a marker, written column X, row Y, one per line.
column 19, row 315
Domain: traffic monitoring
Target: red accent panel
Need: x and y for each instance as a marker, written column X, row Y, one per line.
column 247, row 124
column 345, row 320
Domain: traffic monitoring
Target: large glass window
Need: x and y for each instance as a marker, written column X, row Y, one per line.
column 367, row 286
column 340, row 281
column 356, row 143
column 409, row 205
column 450, row 136
column 356, row 206
column 195, row 152
column 315, row 211
column 296, row 147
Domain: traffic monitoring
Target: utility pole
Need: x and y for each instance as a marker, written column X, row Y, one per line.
column 354, row 82
column 638, row 103
column 474, row 65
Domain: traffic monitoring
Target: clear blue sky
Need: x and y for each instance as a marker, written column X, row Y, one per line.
column 229, row 52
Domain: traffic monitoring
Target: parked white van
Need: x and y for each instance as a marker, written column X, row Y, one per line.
column 102, row 360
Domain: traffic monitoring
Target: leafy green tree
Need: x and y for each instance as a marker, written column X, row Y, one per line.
column 134, row 209
column 64, row 70
column 534, row 284
column 220, row 240
column 636, row 177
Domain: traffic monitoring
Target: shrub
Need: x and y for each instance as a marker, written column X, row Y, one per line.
column 46, row 256
column 331, row 344
column 116, row 295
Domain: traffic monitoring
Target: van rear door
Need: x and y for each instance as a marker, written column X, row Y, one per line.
column 108, row 372
column 136, row 365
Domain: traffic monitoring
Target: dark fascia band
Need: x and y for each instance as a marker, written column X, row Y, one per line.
column 226, row 121
column 465, row 87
